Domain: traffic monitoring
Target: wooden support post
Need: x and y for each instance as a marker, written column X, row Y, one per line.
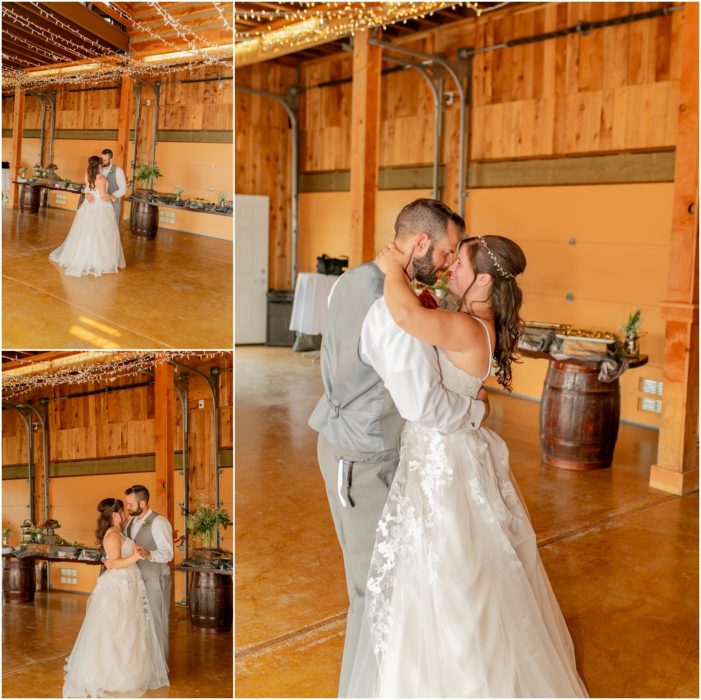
column 17, row 127
column 126, row 98
column 164, row 429
column 365, row 125
column 677, row 468
column 121, row 157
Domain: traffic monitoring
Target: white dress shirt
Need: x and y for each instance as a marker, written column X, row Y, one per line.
column 121, row 180
column 162, row 535
column 411, row 374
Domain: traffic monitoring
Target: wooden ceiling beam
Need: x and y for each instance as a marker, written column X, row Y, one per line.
column 115, row 15
column 21, row 33
column 9, row 46
column 91, row 22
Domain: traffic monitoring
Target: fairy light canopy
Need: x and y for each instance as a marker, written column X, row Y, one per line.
column 310, row 29
column 29, row 372
column 46, row 44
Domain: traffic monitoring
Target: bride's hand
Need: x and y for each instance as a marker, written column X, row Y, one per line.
column 391, row 257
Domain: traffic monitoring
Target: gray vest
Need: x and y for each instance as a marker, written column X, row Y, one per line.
column 112, row 185
column 356, row 412
column 144, row 537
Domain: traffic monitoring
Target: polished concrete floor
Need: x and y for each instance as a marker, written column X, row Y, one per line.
column 622, row 557
column 176, row 291
column 37, row 639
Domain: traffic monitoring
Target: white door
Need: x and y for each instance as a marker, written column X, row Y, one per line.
column 251, row 246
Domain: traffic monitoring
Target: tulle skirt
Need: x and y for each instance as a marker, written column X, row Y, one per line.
column 92, row 246
column 458, row 603
column 117, row 653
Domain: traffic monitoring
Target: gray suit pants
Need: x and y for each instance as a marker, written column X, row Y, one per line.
column 370, row 478
column 158, row 595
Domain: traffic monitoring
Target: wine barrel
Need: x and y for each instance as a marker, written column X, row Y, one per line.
column 18, row 580
column 579, row 417
column 144, row 219
column 211, row 601
column 29, row 198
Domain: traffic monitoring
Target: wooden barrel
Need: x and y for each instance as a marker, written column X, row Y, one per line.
column 144, row 219
column 211, row 601
column 579, row 417
column 29, row 198
column 18, row 580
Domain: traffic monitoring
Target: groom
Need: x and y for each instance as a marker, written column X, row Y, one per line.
column 116, row 181
column 153, row 538
column 375, row 377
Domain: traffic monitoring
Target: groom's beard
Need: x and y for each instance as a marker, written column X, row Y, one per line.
column 424, row 269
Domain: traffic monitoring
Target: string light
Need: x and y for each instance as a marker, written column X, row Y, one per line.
column 13, row 78
column 336, row 20
column 229, row 28
column 92, row 366
column 355, row 17
column 115, row 65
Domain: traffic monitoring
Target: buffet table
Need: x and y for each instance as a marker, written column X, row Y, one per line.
column 310, row 308
column 19, row 574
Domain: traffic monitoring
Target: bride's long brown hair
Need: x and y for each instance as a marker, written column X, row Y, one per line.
column 505, row 295
column 94, row 163
column 107, row 507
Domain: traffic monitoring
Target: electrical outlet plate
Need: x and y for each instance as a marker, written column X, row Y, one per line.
column 200, row 403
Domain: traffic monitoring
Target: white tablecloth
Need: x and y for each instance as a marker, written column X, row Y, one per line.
column 310, row 310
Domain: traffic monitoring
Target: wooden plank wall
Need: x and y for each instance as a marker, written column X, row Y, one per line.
column 184, row 106
column 573, row 95
column 121, row 424
column 263, row 151
column 612, row 91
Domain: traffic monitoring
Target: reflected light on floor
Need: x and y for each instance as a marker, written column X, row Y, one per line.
column 96, row 340
column 100, row 326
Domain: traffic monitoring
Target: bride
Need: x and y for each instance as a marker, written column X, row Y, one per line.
column 92, row 245
column 458, row 603
column 117, row 653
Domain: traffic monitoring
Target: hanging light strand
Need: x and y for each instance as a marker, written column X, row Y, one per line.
column 229, row 28
column 97, row 367
column 42, row 33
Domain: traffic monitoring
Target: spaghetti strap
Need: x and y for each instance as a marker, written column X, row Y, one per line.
column 489, row 347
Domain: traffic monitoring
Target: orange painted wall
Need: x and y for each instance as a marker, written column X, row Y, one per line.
column 203, row 170
column 74, row 504
column 619, row 261
column 324, row 222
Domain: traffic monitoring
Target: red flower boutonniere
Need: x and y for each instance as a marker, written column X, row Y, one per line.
column 428, row 301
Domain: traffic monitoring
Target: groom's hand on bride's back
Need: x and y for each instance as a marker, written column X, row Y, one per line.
column 482, row 396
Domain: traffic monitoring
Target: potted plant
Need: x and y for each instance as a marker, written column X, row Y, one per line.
column 178, row 193
column 205, row 520
column 632, row 333
column 6, row 532
column 144, row 173
column 22, row 174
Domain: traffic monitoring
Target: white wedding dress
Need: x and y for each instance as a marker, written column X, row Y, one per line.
column 458, row 603
column 93, row 245
column 117, row 653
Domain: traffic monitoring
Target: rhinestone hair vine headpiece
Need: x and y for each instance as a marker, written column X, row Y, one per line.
column 502, row 271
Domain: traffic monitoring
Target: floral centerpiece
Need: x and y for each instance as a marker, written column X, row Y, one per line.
column 205, row 520
column 49, row 526
column 6, row 532
column 144, row 172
